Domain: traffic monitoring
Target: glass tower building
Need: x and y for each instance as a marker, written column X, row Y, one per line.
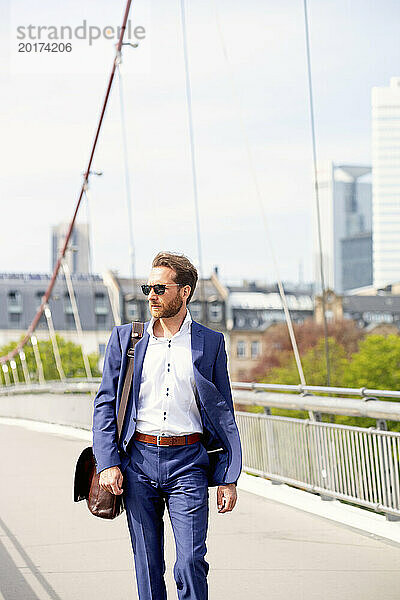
column 346, row 227
column 386, row 183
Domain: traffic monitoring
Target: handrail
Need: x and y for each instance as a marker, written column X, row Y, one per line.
column 302, row 389
column 248, row 394
column 351, row 407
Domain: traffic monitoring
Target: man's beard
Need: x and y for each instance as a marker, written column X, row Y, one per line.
column 171, row 309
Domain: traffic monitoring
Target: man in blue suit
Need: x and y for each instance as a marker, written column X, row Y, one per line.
column 179, row 435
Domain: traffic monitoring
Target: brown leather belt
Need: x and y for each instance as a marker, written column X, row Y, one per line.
column 164, row 440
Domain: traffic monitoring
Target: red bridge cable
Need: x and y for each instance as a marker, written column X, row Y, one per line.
column 47, row 294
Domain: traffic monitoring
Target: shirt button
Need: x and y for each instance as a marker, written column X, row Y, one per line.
column 167, row 394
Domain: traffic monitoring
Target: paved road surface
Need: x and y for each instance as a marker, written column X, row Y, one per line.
column 51, row 547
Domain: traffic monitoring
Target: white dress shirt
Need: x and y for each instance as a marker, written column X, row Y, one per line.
column 167, row 404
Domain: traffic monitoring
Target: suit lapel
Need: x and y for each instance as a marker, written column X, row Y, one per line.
column 197, row 343
column 140, row 351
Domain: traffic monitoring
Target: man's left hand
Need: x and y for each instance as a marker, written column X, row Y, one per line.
column 226, row 497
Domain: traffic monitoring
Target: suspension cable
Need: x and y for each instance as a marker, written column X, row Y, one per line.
column 14, row 371
column 38, row 360
column 25, row 369
column 47, row 294
column 132, row 259
column 90, row 244
column 203, row 300
column 54, row 343
column 70, row 287
column 5, row 374
column 316, row 189
column 261, row 205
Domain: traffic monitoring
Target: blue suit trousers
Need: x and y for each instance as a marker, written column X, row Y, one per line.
column 175, row 477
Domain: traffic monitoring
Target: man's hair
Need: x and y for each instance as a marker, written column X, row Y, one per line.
column 185, row 272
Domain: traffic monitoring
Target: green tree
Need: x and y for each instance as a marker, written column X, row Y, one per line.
column 70, row 354
column 376, row 364
column 314, row 366
column 277, row 347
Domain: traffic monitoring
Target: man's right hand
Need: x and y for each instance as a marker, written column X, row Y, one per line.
column 111, row 480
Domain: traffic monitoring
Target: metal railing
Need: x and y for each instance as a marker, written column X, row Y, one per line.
column 298, row 397
column 311, row 389
column 336, row 461
column 349, row 463
column 68, row 385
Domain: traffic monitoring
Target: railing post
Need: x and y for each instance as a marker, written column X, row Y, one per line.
column 39, row 364
column 381, row 424
column 53, row 339
column 321, row 455
column 24, row 367
column 14, row 371
column 271, row 446
column 6, row 375
column 385, row 467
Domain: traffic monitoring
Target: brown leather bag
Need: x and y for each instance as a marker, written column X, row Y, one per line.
column 102, row 503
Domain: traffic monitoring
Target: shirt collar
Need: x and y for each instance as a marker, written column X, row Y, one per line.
column 184, row 327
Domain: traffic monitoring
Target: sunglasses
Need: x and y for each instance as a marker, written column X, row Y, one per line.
column 159, row 288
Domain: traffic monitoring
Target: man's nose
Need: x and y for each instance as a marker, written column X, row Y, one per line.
column 152, row 294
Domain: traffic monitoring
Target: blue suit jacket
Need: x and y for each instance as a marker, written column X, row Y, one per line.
column 214, row 403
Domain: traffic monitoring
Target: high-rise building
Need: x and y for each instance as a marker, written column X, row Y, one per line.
column 77, row 255
column 346, row 227
column 386, row 182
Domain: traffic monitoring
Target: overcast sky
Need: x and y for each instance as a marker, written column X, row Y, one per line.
column 50, row 105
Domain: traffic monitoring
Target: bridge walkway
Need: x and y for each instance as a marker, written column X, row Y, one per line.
column 51, row 547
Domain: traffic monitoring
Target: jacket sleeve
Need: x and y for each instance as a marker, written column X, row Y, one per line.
column 221, row 376
column 105, row 447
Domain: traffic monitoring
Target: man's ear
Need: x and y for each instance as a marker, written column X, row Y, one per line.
column 187, row 291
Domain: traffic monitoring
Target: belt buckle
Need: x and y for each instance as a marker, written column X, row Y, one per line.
column 158, row 440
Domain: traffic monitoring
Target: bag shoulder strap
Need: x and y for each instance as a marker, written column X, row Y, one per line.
column 136, row 335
